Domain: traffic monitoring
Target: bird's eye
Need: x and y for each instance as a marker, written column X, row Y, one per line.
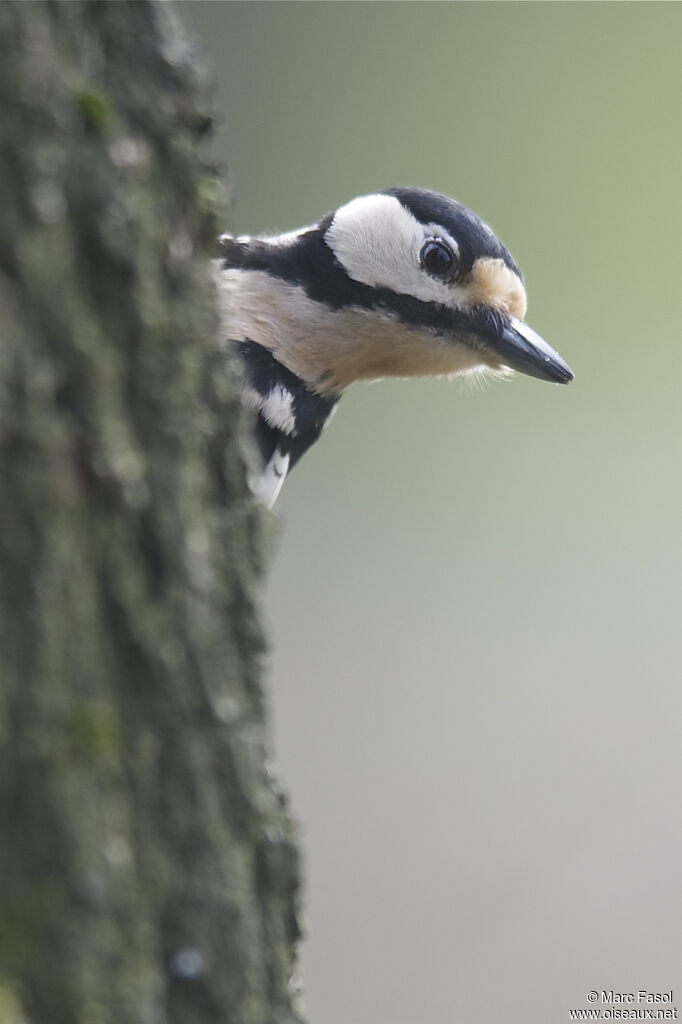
column 437, row 258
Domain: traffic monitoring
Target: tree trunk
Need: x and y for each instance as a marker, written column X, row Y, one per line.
column 147, row 867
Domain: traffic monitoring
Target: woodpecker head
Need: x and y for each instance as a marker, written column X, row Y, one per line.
column 404, row 282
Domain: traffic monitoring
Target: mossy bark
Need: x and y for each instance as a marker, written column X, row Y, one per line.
column 147, row 867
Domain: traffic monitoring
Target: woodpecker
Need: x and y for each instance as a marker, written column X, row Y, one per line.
column 400, row 283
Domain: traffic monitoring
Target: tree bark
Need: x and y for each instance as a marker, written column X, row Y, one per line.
column 148, row 872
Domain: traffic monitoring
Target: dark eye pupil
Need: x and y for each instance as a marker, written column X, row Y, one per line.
column 436, row 258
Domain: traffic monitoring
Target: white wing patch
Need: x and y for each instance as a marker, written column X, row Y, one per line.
column 285, row 238
column 277, row 409
column 266, row 488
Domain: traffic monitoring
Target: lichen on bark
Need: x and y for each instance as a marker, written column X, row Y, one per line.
column 148, row 865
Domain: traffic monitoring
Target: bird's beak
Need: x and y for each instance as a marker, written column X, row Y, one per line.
column 520, row 348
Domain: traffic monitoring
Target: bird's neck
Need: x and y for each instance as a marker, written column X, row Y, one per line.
column 278, row 315
column 327, row 348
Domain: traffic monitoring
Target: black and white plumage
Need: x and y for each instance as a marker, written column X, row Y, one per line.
column 399, row 283
column 290, row 415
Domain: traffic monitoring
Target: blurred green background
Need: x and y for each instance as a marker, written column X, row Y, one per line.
column 475, row 606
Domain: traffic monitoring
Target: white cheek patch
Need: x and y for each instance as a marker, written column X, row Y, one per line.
column 378, row 241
